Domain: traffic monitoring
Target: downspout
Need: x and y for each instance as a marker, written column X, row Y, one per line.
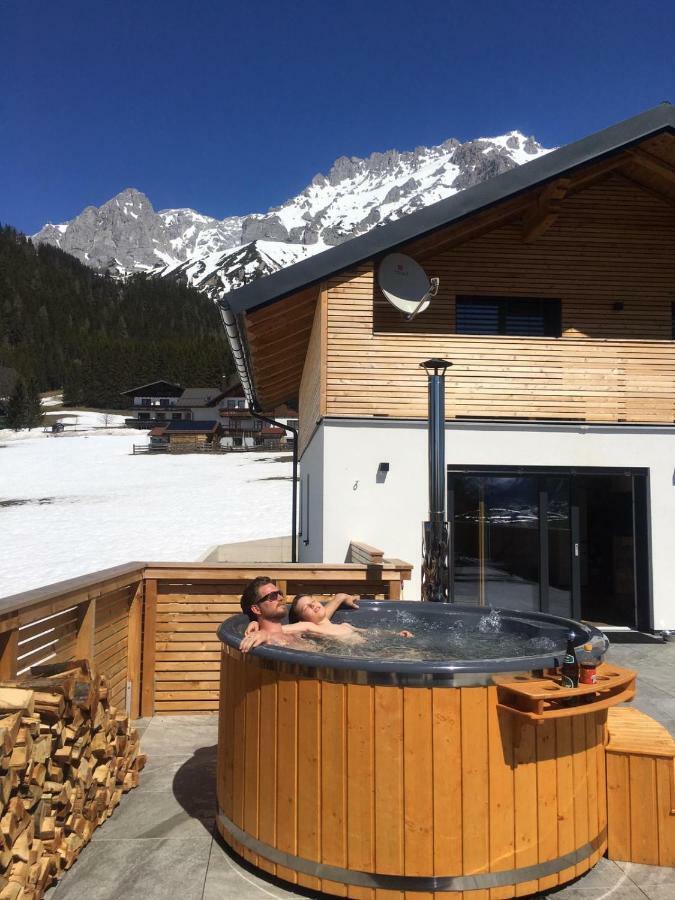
column 242, row 366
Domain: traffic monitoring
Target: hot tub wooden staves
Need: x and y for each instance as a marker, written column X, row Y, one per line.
column 373, row 791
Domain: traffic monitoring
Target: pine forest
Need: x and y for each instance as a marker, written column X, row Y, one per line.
column 64, row 325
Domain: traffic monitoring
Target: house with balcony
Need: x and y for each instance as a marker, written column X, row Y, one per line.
column 556, row 309
column 154, row 404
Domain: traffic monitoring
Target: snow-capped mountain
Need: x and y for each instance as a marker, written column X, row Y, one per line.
column 217, row 255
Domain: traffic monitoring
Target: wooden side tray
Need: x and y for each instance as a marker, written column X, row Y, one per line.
column 537, row 700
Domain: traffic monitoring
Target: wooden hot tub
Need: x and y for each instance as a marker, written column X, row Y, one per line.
column 364, row 782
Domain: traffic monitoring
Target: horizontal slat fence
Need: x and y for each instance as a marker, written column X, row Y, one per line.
column 151, row 627
column 187, row 615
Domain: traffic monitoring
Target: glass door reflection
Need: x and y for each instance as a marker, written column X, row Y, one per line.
column 496, row 540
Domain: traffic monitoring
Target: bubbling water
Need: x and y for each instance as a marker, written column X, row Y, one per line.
column 442, row 638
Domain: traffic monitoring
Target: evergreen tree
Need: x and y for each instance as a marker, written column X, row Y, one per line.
column 33, row 416
column 17, row 406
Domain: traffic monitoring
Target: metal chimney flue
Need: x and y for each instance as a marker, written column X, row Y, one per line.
column 435, row 583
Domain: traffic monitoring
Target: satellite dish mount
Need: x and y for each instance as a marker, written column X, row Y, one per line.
column 406, row 285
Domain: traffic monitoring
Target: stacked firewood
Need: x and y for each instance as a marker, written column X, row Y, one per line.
column 66, row 758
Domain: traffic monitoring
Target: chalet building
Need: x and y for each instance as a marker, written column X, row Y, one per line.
column 186, row 436
column 556, row 307
column 154, row 404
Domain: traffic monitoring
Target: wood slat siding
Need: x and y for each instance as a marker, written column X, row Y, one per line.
column 640, row 762
column 311, row 383
column 111, row 640
column 404, row 780
column 612, row 242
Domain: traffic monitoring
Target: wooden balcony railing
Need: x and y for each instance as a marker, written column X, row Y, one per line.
column 151, row 627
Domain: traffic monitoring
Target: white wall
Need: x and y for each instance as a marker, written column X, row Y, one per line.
column 312, row 503
column 389, row 514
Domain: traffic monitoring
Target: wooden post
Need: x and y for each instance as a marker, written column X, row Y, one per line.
column 149, row 638
column 9, row 648
column 86, row 630
column 134, row 647
column 395, row 590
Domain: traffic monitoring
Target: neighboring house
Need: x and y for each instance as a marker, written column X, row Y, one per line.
column 556, row 309
column 154, row 404
column 188, row 436
column 193, row 402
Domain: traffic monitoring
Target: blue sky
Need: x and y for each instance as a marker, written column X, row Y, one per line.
column 232, row 108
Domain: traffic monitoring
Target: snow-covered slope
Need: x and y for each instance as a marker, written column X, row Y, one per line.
column 126, row 234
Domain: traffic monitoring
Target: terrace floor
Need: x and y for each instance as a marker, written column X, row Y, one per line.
column 160, row 843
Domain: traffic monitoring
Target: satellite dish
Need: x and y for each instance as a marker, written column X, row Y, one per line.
column 405, row 284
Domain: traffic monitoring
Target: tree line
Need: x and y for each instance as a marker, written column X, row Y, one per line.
column 64, row 325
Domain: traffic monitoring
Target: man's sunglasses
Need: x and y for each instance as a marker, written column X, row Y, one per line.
column 273, row 595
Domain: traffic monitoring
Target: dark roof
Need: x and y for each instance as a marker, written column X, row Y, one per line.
column 199, row 396
column 191, row 427
column 386, row 237
column 162, row 389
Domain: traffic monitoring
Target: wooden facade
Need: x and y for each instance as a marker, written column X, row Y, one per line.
column 601, row 241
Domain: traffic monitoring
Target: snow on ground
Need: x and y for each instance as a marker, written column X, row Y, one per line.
column 77, row 503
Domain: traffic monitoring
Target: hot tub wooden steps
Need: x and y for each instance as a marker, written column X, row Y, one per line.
column 540, row 699
column 640, row 789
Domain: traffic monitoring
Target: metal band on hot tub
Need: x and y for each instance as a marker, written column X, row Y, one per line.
column 421, row 883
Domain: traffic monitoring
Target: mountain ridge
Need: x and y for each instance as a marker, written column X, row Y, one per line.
column 126, row 235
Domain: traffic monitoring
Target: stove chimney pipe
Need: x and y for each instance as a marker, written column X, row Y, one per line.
column 435, row 583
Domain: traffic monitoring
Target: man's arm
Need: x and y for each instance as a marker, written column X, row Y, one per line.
column 249, row 641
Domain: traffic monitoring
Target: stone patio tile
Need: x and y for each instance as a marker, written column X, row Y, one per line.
column 649, row 875
column 228, row 875
column 179, row 736
column 137, row 870
column 159, row 814
column 624, row 891
column 174, row 773
column 604, row 874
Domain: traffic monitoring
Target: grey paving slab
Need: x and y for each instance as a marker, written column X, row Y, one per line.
column 180, row 774
column 179, row 735
column 625, row 891
column 227, row 875
column 160, row 814
column 137, row 870
column 649, row 876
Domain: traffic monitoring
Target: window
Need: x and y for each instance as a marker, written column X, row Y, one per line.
column 526, row 317
column 176, row 415
column 143, row 416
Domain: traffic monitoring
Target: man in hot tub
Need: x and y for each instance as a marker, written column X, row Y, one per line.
column 265, row 606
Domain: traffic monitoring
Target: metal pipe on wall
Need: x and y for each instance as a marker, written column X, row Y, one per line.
column 435, row 578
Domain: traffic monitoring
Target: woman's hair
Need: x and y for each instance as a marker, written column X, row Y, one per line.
column 293, row 611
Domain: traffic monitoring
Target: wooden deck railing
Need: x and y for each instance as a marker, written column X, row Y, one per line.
column 151, row 627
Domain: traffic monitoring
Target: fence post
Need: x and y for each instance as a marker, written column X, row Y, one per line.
column 86, row 630
column 134, row 647
column 9, row 650
column 149, row 637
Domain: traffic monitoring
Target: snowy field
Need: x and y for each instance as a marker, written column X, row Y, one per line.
column 80, row 502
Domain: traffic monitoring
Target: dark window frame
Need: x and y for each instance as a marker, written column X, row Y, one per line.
column 549, row 311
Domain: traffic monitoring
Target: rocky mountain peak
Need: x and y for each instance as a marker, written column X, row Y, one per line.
column 126, row 234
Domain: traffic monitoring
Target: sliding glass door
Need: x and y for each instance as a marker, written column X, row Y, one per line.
column 569, row 542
